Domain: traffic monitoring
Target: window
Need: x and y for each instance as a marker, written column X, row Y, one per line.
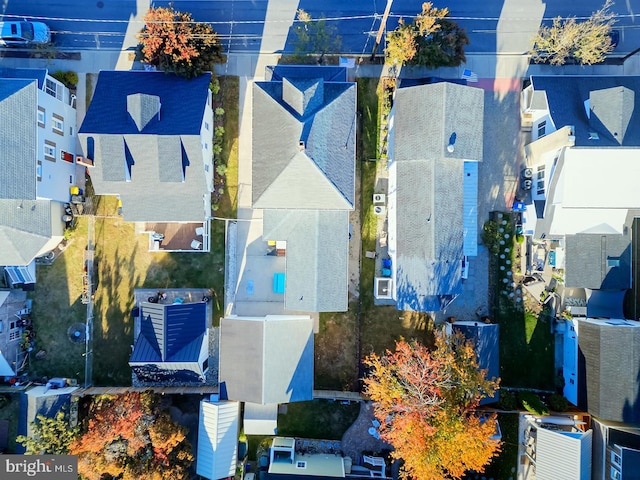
column 14, row 331
column 49, row 150
column 58, row 124
column 71, row 131
column 542, row 127
column 615, row 474
column 300, row 464
column 41, row 117
column 615, row 459
column 53, row 89
column 39, row 171
column 206, row 125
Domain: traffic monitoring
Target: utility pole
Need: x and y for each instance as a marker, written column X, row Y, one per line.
column 383, row 24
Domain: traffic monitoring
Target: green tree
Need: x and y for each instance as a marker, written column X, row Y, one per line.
column 172, row 41
column 315, row 37
column 129, row 438
column 50, row 435
column 431, row 40
column 425, row 400
column 587, row 42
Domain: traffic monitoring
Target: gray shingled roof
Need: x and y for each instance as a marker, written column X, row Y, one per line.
column 589, row 261
column 611, row 109
column 18, row 138
column 328, row 137
column 612, row 367
column 142, row 108
column 317, row 257
column 267, row 360
column 156, row 192
column 429, row 188
column 25, row 228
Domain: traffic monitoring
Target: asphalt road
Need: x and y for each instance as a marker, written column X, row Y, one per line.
column 102, row 24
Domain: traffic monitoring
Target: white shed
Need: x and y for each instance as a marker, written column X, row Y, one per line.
column 260, row 419
column 217, row 452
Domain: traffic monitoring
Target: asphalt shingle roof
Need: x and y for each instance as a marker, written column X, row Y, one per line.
column 164, row 159
column 428, row 214
column 317, row 257
column 588, row 259
column 612, row 368
column 25, row 228
column 267, row 360
column 18, row 138
column 614, row 102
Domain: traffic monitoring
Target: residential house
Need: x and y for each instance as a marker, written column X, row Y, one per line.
column 485, row 338
column 581, row 166
column 616, row 451
column 218, row 428
column 148, row 138
column 289, row 459
column 266, row 360
column 554, row 447
column 171, row 343
column 303, row 181
column 435, row 145
column 12, row 303
column 37, row 167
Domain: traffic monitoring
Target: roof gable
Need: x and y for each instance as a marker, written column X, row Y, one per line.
column 611, row 109
column 142, row 108
column 124, row 101
column 303, row 184
column 325, row 132
column 170, row 332
column 25, row 228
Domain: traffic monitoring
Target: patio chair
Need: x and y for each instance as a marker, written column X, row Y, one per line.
column 200, row 231
column 196, row 244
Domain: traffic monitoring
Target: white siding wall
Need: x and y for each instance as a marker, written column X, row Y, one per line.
column 206, row 139
column 56, row 176
column 217, row 439
column 560, row 456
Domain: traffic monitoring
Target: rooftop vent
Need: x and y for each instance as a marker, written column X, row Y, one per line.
column 593, row 136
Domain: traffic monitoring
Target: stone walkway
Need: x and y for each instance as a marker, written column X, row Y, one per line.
column 357, row 438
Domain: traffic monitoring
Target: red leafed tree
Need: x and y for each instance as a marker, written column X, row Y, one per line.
column 425, row 401
column 127, row 437
column 173, row 42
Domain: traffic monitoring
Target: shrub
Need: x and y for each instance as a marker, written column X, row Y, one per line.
column 68, row 77
column 507, row 400
column 219, row 111
column 520, row 239
column 218, row 132
column 217, row 149
column 558, row 403
column 221, row 169
column 214, row 86
column 491, row 236
column 532, row 403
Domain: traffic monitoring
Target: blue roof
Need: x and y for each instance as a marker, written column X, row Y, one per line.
column 486, row 341
column 38, row 74
column 170, row 333
column 182, row 103
column 330, row 73
column 566, row 96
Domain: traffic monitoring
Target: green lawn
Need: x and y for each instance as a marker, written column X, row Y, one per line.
column 11, row 412
column 526, row 341
column 124, row 263
column 317, row 419
column 504, row 467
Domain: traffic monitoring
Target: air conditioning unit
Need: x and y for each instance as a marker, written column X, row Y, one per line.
column 379, row 210
column 379, row 198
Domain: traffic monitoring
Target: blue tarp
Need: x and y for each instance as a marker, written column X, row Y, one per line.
column 278, row 282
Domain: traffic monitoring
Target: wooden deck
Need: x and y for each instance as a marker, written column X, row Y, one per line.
column 177, row 236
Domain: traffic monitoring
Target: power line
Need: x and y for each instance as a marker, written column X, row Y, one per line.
column 631, row 16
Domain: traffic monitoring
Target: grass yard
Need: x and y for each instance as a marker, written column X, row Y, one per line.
column 11, row 412
column 526, row 341
column 317, row 419
column 336, row 351
column 504, row 467
column 124, row 263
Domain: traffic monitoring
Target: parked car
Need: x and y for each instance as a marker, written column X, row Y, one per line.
column 24, row 34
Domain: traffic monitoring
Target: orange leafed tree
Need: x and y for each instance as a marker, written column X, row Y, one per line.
column 127, row 437
column 425, row 401
column 172, row 41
